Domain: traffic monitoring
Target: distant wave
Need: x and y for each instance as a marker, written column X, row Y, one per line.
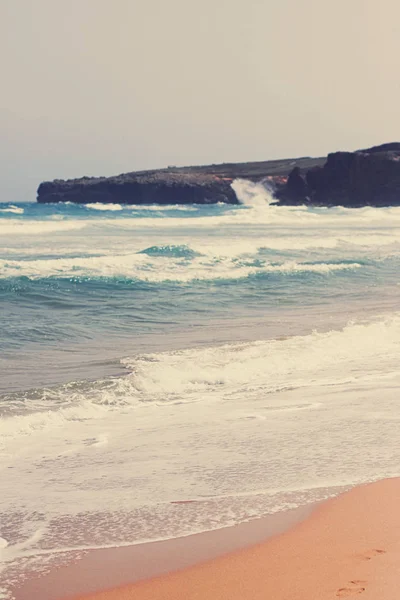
column 322, row 227
column 100, row 206
column 17, row 210
column 165, row 207
column 139, row 207
column 14, row 227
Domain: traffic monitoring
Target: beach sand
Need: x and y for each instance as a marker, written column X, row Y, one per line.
column 349, row 546
column 112, row 567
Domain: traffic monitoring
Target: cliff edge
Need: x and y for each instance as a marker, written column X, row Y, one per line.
column 369, row 177
column 208, row 184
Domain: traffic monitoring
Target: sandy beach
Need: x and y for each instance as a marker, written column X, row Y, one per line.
column 199, row 300
column 348, row 546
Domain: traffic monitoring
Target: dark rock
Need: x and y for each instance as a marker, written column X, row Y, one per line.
column 353, row 179
column 391, row 146
column 154, row 188
column 295, row 190
column 175, row 185
column 364, row 178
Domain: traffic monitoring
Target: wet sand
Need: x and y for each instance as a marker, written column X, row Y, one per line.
column 114, row 567
column 349, row 546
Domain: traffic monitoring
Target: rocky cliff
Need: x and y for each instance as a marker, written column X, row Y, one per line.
column 176, row 185
column 369, row 177
column 353, row 179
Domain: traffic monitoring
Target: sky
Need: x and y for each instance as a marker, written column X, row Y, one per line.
column 101, row 87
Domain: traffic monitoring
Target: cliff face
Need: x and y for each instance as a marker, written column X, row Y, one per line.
column 176, row 185
column 353, row 179
column 368, row 177
column 154, row 188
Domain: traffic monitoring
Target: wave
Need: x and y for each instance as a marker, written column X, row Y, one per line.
column 165, row 207
column 17, row 210
column 141, row 207
column 252, row 194
column 328, row 227
column 264, row 214
column 158, row 265
column 181, row 251
column 99, row 206
column 356, row 353
column 290, row 403
column 350, row 354
column 328, row 246
column 13, row 227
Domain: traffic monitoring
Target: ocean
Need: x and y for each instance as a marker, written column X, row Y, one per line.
column 242, row 358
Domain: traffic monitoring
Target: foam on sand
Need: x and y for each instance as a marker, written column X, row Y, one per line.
column 348, row 547
column 291, row 403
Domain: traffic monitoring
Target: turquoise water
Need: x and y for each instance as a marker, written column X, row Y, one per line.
column 244, row 357
column 74, row 277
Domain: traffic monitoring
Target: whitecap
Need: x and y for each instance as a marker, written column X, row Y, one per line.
column 17, row 210
column 13, row 227
column 100, row 206
column 159, row 269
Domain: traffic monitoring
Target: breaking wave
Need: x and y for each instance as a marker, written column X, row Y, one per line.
column 252, row 194
column 16, row 210
column 13, row 227
column 100, row 206
column 220, row 373
column 157, row 265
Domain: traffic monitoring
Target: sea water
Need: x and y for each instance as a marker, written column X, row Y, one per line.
column 245, row 358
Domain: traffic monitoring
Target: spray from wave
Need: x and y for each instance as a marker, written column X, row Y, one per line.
column 252, row 194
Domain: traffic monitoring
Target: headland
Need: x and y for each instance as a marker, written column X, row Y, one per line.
column 369, row 177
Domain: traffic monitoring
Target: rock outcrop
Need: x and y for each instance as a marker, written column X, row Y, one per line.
column 153, row 188
column 176, row 185
column 369, row 177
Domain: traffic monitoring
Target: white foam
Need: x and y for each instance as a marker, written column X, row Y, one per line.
column 275, row 364
column 141, row 207
column 17, row 210
column 252, row 194
column 99, row 206
column 98, row 464
column 164, row 207
column 355, row 352
column 261, row 213
column 159, row 269
column 230, row 426
column 11, row 227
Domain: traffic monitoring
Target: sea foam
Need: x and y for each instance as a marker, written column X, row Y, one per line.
column 16, row 210
column 154, row 268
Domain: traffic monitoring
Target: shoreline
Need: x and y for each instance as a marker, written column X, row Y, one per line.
column 350, row 545
column 105, row 568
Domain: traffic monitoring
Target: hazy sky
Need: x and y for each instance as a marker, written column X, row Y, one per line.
column 99, row 87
